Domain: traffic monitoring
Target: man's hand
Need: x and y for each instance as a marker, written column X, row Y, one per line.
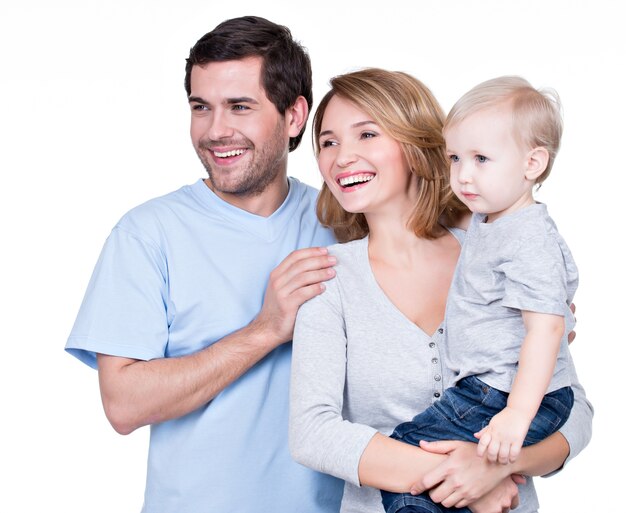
column 298, row 278
column 502, row 439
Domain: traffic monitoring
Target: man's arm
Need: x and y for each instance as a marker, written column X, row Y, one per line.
column 136, row 393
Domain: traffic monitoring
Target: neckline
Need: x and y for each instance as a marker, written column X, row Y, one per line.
column 266, row 228
column 377, row 289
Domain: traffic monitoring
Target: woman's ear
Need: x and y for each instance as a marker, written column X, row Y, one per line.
column 536, row 163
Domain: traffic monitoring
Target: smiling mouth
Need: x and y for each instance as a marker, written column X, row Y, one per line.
column 352, row 180
column 226, row 154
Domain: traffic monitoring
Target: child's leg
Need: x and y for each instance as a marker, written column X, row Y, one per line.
column 421, row 504
column 461, row 412
column 552, row 414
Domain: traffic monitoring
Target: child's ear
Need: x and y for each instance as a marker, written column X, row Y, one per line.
column 536, row 162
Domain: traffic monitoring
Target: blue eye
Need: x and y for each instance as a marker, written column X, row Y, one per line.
column 453, row 158
column 481, row 158
column 240, row 108
column 199, row 107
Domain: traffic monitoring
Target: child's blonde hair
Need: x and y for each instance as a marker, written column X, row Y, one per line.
column 537, row 119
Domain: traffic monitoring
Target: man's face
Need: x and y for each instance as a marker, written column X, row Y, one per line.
column 240, row 137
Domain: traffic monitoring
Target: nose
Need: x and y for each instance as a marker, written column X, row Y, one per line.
column 465, row 173
column 346, row 156
column 219, row 127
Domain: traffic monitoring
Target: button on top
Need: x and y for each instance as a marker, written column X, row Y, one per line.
column 435, row 360
column 440, row 330
column 437, row 377
column 432, row 344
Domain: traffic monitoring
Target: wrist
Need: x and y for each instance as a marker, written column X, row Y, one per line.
column 261, row 334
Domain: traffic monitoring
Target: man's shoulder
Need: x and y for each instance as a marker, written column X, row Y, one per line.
column 157, row 210
column 304, row 189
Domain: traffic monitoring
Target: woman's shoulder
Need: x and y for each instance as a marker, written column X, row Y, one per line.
column 352, row 262
column 457, row 233
column 348, row 248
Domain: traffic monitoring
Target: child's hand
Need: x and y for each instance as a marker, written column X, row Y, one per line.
column 502, row 439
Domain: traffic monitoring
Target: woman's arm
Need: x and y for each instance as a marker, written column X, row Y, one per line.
column 394, row 466
column 319, row 437
column 578, row 427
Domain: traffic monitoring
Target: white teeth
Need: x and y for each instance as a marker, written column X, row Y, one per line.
column 348, row 180
column 230, row 153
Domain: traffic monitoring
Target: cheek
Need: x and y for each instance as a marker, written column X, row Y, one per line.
column 196, row 130
column 324, row 163
column 454, row 178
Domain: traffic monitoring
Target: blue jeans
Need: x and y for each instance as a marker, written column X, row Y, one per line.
column 462, row 411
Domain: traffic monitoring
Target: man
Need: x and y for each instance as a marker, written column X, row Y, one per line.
column 187, row 333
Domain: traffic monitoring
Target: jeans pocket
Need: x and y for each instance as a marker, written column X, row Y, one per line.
column 471, row 394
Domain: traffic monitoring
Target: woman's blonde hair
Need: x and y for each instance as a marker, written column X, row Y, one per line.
column 537, row 120
column 406, row 110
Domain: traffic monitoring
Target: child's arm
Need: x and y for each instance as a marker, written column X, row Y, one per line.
column 502, row 439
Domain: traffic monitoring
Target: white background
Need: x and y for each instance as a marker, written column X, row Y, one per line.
column 94, row 120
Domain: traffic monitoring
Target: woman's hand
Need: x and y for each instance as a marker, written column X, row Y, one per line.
column 464, row 477
column 502, row 499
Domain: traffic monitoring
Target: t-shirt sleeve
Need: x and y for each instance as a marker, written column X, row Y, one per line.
column 124, row 309
column 319, row 436
column 535, row 277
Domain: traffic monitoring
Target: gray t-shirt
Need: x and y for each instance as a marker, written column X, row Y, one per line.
column 360, row 366
column 518, row 262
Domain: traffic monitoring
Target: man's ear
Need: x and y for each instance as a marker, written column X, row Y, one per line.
column 296, row 116
column 536, row 163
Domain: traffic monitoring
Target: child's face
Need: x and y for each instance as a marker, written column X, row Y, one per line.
column 487, row 164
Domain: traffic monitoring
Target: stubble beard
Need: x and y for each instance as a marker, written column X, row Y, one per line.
column 255, row 178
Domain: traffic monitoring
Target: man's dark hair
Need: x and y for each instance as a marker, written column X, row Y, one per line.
column 286, row 70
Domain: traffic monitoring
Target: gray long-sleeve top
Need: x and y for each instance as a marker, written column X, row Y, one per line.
column 360, row 367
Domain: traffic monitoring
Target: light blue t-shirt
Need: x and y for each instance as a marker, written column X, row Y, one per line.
column 177, row 274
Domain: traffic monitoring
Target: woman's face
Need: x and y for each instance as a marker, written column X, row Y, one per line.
column 363, row 166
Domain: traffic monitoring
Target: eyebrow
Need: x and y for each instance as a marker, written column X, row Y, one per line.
column 355, row 125
column 229, row 101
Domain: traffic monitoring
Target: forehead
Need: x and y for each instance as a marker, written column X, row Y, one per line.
column 341, row 111
column 491, row 124
column 217, row 81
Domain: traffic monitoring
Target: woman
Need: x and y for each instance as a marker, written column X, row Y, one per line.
column 366, row 352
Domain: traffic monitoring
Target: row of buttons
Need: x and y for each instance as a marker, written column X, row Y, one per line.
column 435, row 361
